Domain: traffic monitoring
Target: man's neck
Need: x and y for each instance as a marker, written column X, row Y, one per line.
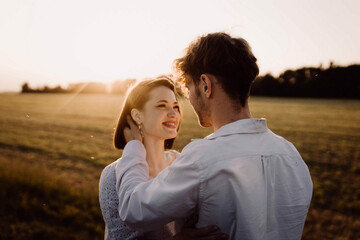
column 222, row 114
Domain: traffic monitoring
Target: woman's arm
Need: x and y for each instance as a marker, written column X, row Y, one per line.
column 109, row 202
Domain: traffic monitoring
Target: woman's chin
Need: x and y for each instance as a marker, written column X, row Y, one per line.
column 171, row 135
column 164, row 135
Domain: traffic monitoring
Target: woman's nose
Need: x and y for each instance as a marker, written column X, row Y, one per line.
column 172, row 113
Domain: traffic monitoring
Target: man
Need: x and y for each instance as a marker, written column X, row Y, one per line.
column 243, row 178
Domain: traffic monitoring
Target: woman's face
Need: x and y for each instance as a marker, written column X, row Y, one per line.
column 160, row 115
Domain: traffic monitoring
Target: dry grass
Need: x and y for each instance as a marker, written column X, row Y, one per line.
column 53, row 148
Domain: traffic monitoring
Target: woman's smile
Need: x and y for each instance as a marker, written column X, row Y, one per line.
column 170, row 124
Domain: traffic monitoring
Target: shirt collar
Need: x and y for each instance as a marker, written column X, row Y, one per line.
column 251, row 125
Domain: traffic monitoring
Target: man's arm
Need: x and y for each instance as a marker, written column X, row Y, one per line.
column 147, row 205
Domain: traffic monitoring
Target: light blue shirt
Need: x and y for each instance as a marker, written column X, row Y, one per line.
column 243, row 178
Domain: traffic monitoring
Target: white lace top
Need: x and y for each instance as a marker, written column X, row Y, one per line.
column 109, row 202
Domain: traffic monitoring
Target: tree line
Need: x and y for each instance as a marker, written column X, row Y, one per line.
column 333, row 82
column 117, row 87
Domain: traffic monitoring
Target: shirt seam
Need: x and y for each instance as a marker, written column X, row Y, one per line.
column 201, row 184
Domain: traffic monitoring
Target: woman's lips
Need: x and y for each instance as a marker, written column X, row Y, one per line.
column 170, row 124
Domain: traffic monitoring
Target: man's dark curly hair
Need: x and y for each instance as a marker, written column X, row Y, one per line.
column 229, row 59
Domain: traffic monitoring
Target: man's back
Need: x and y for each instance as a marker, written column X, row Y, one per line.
column 243, row 178
column 254, row 184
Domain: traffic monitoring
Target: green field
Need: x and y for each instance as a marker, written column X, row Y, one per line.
column 54, row 147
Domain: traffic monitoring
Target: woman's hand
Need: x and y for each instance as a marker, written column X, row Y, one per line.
column 190, row 232
column 132, row 132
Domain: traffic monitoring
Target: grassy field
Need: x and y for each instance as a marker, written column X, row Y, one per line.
column 54, row 147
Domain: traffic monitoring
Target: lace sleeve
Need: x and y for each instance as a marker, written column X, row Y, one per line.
column 109, row 202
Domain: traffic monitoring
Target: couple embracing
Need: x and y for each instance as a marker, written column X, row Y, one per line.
column 241, row 182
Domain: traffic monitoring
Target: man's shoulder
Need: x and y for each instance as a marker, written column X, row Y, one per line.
column 200, row 149
column 240, row 144
column 197, row 145
column 280, row 143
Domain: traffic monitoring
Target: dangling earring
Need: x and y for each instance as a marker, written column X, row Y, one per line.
column 140, row 130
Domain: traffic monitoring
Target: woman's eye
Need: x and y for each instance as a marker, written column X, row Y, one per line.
column 177, row 108
column 161, row 106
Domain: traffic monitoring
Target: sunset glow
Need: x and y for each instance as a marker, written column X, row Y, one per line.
column 60, row 42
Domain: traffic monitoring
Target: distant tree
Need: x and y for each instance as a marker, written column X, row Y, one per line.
column 266, row 86
column 59, row 89
column 46, row 89
column 26, row 89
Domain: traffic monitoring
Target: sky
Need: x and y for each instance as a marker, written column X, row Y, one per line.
column 57, row 42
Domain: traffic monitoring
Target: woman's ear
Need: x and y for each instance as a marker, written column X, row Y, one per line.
column 136, row 116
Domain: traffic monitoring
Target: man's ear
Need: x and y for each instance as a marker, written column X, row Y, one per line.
column 206, row 85
column 136, row 116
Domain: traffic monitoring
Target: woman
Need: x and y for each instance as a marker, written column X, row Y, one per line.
column 153, row 106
